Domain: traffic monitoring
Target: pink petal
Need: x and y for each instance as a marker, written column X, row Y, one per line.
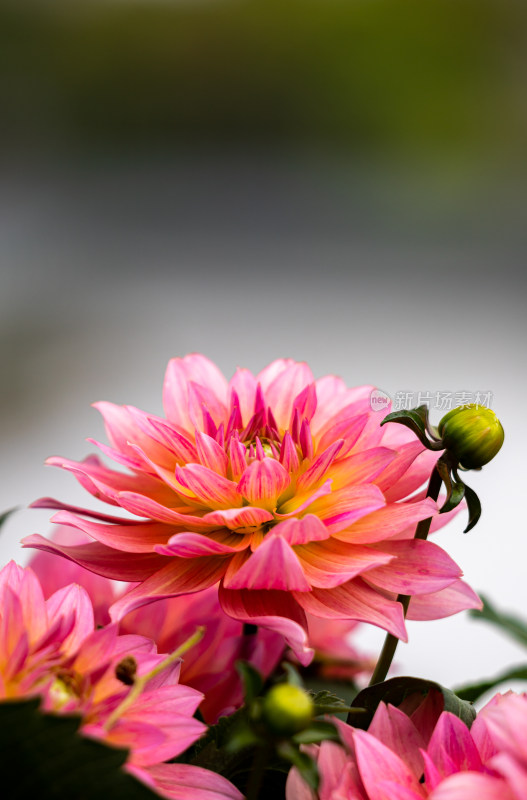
column 122, row 430
column 239, row 518
column 97, row 650
column 273, row 565
column 276, row 611
column 179, row 373
column 101, row 559
column 134, row 537
column 387, row 521
column 419, row 567
column 179, row 576
column 348, row 428
column 362, row 467
column 289, row 454
column 436, row 605
column 404, row 457
column 187, row 782
column 305, row 403
column 301, row 502
column 330, row 563
column 343, row 511
column 146, row 507
column 207, row 486
column 211, row 455
column 26, row 586
column 50, row 502
column 72, row 600
column 263, row 482
column 355, row 600
column 284, row 389
column 272, row 370
column 237, row 458
column 243, row 383
column 395, row 729
column 415, row 476
column 192, row 545
column 377, row 763
column 301, row 531
column 467, row 785
column 452, row 748
column 319, row 467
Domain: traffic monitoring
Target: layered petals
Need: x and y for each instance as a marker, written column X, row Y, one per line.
column 273, row 483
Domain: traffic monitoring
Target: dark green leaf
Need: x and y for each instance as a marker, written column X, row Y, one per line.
column 326, row 702
column 396, row 690
column 317, row 732
column 43, row 756
column 454, row 497
column 304, row 763
column 6, row 514
column 251, row 679
column 410, row 419
column 473, row 691
column 514, row 626
column 474, row 508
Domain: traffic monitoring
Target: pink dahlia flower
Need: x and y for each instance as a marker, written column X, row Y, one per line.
column 49, row 648
column 400, row 758
column 210, row 668
column 284, row 489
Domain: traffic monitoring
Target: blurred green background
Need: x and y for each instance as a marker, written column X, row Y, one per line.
column 441, row 81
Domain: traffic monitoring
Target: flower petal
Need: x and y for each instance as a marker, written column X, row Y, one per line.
column 193, row 545
column 419, row 567
column 179, row 373
column 179, row 576
column 436, row 605
column 207, row 486
column 276, row 611
column 187, row 782
column 101, row 559
column 387, row 521
column 340, row 510
column 237, row 518
column 263, row 482
column 355, row 600
column 273, row 565
column 146, row 507
column 134, row 537
column 301, row 531
column 330, row 563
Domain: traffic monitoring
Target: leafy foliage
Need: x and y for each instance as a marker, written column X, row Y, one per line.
column 396, row 690
column 43, row 755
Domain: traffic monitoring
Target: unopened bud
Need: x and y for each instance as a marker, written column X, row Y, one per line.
column 472, row 433
column 287, row 709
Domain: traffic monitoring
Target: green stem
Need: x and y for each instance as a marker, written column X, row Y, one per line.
column 390, row 643
column 259, row 764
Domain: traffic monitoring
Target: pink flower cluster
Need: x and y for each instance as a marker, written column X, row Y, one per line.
column 426, row 755
column 51, row 649
column 282, row 488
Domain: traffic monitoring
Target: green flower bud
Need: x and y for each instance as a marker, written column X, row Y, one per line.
column 472, row 433
column 287, row 709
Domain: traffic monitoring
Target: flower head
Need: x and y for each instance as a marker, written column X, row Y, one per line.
column 400, row 757
column 50, row 649
column 284, row 489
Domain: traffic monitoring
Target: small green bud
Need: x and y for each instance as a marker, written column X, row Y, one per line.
column 472, row 433
column 287, row 709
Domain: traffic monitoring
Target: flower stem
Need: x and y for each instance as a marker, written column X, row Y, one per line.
column 390, row 643
column 140, row 682
column 256, row 775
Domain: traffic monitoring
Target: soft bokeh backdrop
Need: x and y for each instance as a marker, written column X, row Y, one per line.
column 338, row 181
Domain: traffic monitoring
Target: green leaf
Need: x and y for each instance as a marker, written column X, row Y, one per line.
column 6, row 514
column 317, row 732
column 396, row 690
column 511, row 624
column 454, row 497
column 44, row 756
column 412, row 419
column 302, row 761
column 326, row 702
column 474, row 508
column 251, row 679
column 473, row 691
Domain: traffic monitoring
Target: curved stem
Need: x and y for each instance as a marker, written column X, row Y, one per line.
column 390, row 643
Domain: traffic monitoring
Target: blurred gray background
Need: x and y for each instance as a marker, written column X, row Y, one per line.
column 340, row 183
